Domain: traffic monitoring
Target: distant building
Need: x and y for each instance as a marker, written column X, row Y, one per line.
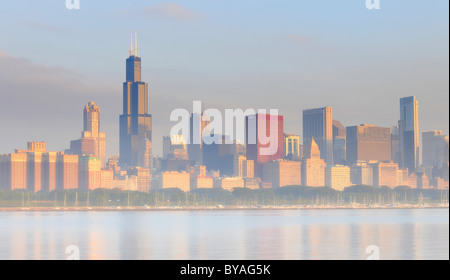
column 145, row 158
column 172, row 179
column 220, row 156
column 437, row 183
column 368, row 143
column 412, row 180
column 33, row 168
column 361, row 173
column 251, row 183
column 385, row 174
column 92, row 142
column 199, row 179
column 135, row 122
column 433, row 149
column 89, row 173
column 198, row 126
column 107, row 179
column 423, row 182
column 339, row 143
column 66, row 171
column 34, row 165
column 49, row 171
column 34, row 171
column 402, row 177
column 337, row 177
column 13, row 171
column 409, row 133
column 313, row 168
column 395, row 144
column 243, row 168
column 255, row 131
column 293, row 148
column 37, row 147
column 143, row 178
column 204, row 182
column 229, row 183
column 318, row 124
column 282, row 173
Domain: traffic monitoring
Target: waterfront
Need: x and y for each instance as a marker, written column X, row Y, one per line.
column 233, row 234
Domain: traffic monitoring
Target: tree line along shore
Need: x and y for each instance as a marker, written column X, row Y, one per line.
column 281, row 197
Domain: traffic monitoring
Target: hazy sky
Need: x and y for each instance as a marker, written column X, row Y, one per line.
column 286, row 54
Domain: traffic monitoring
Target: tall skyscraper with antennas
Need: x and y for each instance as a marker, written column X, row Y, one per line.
column 135, row 122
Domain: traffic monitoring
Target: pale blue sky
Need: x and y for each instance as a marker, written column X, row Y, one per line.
column 289, row 55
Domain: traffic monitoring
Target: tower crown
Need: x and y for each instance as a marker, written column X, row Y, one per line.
column 134, row 51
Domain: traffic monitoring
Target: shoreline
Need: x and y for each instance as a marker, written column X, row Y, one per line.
column 223, row 208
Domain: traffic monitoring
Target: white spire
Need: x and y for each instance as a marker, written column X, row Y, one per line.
column 131, row 44
column 135, row 43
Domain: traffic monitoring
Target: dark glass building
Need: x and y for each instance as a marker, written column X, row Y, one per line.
column 135, row 122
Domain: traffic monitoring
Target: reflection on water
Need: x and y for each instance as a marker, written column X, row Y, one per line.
column 311, row 234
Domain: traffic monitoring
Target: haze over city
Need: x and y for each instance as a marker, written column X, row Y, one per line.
column 226, row 54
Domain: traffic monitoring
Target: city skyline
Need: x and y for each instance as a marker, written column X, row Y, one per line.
column 76, row 83
column 224, row 130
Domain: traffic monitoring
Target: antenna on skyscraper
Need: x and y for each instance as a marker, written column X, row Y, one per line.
column 131, row 43
column 135, row 43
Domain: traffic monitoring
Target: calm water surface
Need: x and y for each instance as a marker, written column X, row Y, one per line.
column 236, row 235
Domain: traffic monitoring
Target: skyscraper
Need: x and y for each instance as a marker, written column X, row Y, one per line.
column 433, row 148
column 258, row 127
column 292, row 145
column 282, row 173
column 197, row 128
column 395, row 144
column 92, row 142
column 339, row 143
column 313, row 167
column 66, row 171
column 89, row 173
column 318, row 123
column 135, row 122
column 368, row 143
column 409, row 133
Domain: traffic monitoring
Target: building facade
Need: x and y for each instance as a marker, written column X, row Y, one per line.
column 318, row 124
column 92, row 141
column 282, row 173
column 259, row 127
column 313, row 168
column 409, row 133
column 135, row 122
column 368, row 143
column 337, row 177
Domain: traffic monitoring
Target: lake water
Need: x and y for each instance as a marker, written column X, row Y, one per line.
column 230, row 235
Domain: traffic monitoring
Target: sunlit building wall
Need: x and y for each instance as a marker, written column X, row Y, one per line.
column 282, row 173
column 385, row 174
column 13, row 173
column 318, row 124
column 173, row 179
column 89, row 169
column 368, row 142
column 337, row 177
column 92, row 141
column 409, row 133
column 313, row 168
column 49, row 171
